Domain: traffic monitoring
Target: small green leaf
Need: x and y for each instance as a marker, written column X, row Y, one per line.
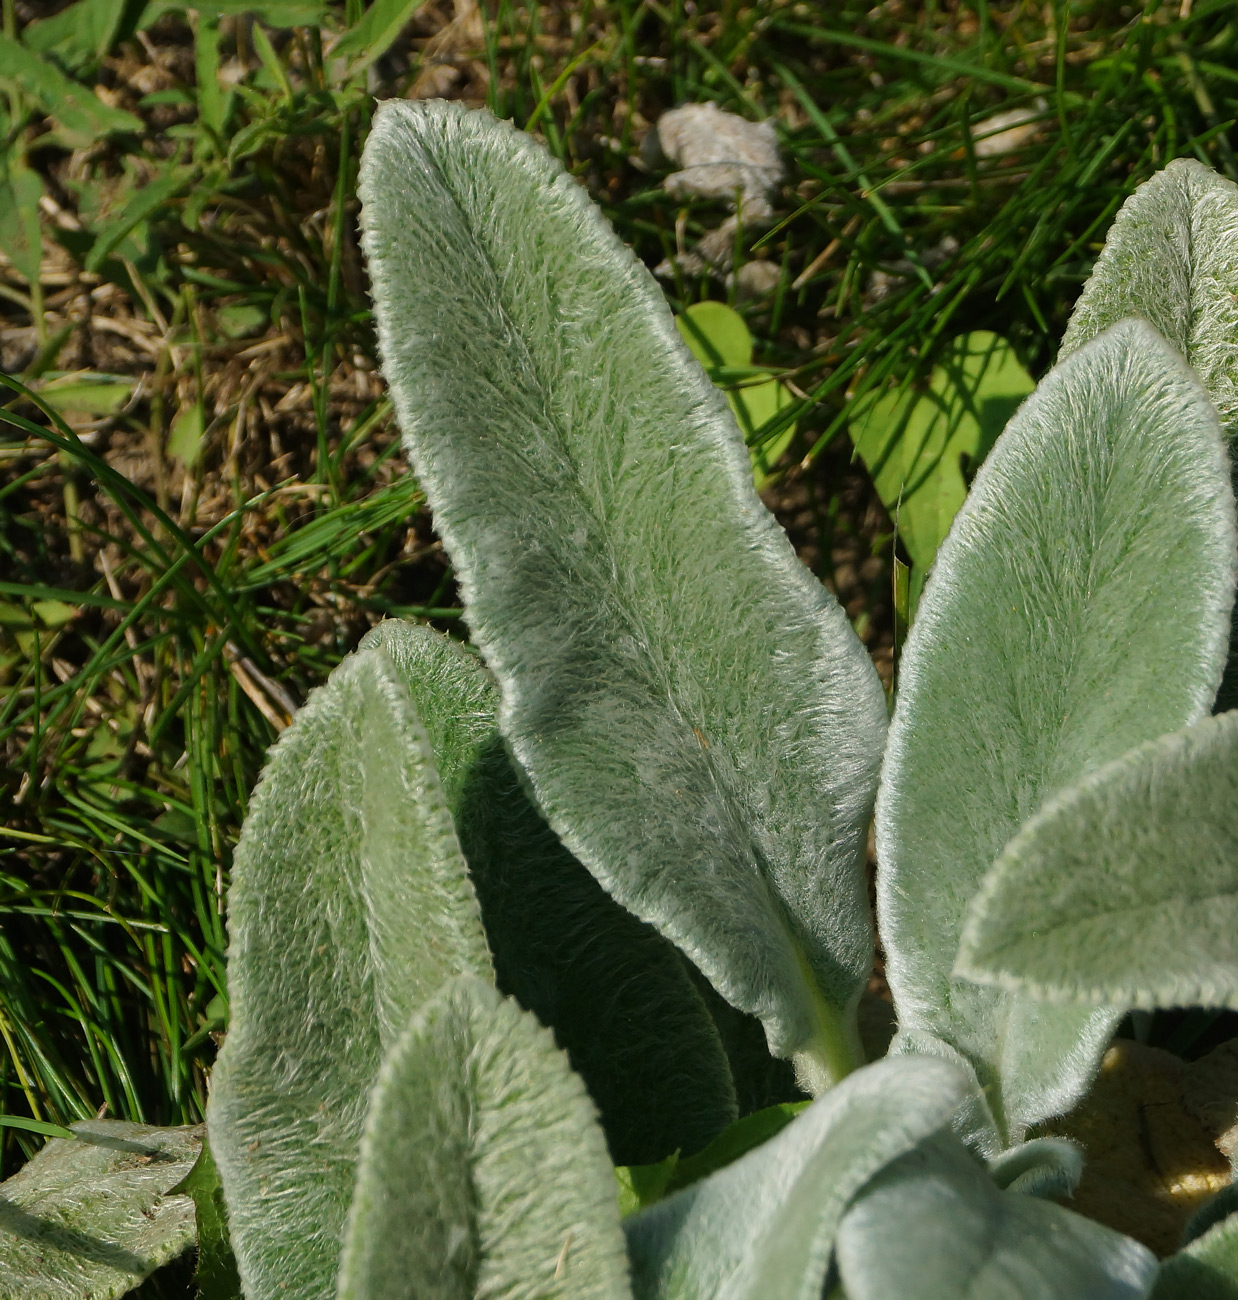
column 934, row 1226
column 763, row 1228
column 240, row 320
column 91, row 1216
column 918, row 445
column 642, row 1185
column 1079, row 607
column 373, row 36
column 1172, row 258
column 483, row 1171
column 20, row 238
column 79, row 35
column 271, row 61
column 716, row 335
column 698, row 722
column 185, row 434
column 82, row 116
column 216, row 1276
column 87, row 393
column 1124, row 888
column 348, row 850
column 144, row 203
column 615, row 993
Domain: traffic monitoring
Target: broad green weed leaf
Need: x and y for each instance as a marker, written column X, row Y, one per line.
column 916, row 445
column 1172, row 257
column 934, row 1226
column 763, row 1228
column 350, row 905
column 697, row 719
column 21, row 188
column 89, row 1217
column 718, row 337
column 1205, row 1269
column 1124, row 889
column 616, row 994
column 83, row 118
column 1079, row 607
column 483, row 1170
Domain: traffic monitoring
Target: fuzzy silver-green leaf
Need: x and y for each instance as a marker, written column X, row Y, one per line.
column 1124, row 889
column 933, row 1225
column 1079, row 607
column 1204, row 1269
column 617, row 995
column 483, row 1169
column 697, row 719
column 1171, row 256
column 88, row 1218
column 350, row 905
column 763, row 1228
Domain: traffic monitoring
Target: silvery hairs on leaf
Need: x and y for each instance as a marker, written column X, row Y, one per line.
column 763, row 1228
column 1172, row 257
column 1079, row 606
column 616, row 993
column 88, row 1218
column 483, row 1170
column 697, row 719
column 1124, row 888
column 350, row 905
column 1205, row 1268
column 934, row 1226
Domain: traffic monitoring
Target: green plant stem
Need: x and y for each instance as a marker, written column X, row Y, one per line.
column 835, row 1050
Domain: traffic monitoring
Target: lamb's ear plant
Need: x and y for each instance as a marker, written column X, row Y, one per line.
column 696, row 722
column 670, row 702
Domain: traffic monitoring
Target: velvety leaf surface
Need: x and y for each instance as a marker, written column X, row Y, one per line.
column 1124, row 889
column 1171, row 256
column 616, row 994
column 1206, row 1269
column 350, row 905
column 483, row 1170
column 1049, row 1166
column 1079, row 607
column 699, row 723
column 88, row 1218
column 719, row 338
column 933, row 1225
column 763, row 1228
